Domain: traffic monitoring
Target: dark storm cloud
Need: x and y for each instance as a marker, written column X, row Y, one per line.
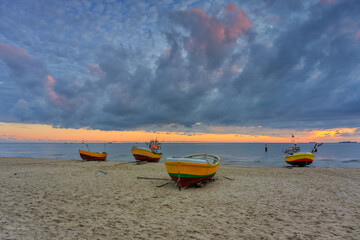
column 281, row 64
column 26, row 72
column 308, row 77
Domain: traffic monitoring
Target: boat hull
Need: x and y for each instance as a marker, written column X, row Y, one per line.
column 300, row 159
column 92, row 156
column 187, row 173
column 141, row 154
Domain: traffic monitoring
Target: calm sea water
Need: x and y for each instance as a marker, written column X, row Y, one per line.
column 345, row 155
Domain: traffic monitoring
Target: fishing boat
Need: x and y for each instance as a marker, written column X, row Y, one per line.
column 93, row 156
column 294, row 157
column 192, row 169
column 151, row 153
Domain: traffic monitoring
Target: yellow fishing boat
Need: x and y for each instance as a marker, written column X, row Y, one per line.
column 150, row 154
column 294, row 156
column 92, row 156
column 299, row 159
column 192, row 169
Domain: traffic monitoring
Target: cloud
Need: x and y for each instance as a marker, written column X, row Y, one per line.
column 325, row 1
column 25, row 70
column 52, row 95
column 10, row 53
column 211, row 38
column 39, row 101
column 95, row 70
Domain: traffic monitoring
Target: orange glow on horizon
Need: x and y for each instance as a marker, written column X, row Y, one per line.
column 17, row 132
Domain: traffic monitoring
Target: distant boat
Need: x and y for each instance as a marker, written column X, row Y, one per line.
column 191, row 169
column 149, row 154
column 348, row 142
column 92, row 156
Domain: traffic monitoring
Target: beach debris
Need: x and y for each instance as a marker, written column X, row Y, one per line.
column 160, row 185
column 103, row 172
column 21, row 173
column 229, row 178
column 151, row 178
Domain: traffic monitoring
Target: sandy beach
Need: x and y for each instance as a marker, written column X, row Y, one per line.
column 72, row 199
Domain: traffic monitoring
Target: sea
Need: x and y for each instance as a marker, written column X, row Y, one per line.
column 332, row 155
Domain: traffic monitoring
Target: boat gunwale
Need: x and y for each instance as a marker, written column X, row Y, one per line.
column 145, row 149
column 300, row 153
column 192, row 160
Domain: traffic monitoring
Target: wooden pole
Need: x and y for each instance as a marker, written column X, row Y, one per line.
column 150, row 178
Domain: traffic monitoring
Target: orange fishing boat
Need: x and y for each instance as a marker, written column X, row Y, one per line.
column 92, row 156
column 150, row 154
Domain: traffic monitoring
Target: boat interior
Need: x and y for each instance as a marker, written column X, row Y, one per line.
column 197, row 158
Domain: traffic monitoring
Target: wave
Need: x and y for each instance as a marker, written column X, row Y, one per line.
column 352, row 161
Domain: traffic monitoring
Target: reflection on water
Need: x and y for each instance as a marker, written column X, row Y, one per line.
column 247, row 154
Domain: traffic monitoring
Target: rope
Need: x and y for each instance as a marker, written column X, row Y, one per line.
column 178, row 181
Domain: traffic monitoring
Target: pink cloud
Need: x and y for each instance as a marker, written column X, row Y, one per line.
column 325, row 1
column 358, row 34
column 51, row 94
column 50, row 83
column 95, row 70
column 78, row 84
column 199, row 12
column 211, row 25
column 234, row 69
column 12, row 55
column 210, row 32
column 230, row 7
column 8, row 50
column 237, row 21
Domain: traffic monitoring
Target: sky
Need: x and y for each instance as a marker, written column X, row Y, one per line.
column 219, row 71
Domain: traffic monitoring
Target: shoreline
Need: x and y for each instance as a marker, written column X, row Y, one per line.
column 66, row 198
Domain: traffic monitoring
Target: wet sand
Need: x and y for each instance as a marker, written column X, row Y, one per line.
column 72, row 199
